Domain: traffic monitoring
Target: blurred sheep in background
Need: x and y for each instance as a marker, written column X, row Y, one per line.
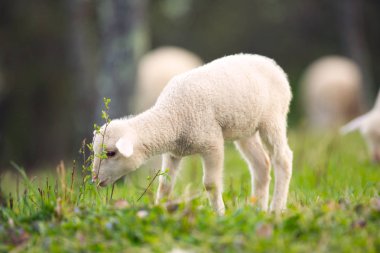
column 332, row 92
column 156, row 68
column 369, row 126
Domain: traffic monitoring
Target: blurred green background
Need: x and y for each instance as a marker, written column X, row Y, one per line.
column 58, row 59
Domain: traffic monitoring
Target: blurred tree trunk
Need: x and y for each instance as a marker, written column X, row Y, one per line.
column 119, row 21
column 82, row 63
column 354, row 41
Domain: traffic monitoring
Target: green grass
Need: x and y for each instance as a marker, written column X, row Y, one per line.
column 333, row 206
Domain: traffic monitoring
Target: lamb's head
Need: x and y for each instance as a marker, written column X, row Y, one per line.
column 114, row 152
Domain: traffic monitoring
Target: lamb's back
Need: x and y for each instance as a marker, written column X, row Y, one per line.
column 235, row 91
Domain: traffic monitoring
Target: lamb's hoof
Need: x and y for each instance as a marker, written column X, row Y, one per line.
column 157, row 201
column 221, row 211
column 277, row 210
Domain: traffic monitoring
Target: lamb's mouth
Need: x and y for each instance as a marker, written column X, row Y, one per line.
column 103, row 183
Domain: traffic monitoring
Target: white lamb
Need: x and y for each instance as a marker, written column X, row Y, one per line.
column 369, row 126
column 238, row 98
column 331, row 88
column 156, row 68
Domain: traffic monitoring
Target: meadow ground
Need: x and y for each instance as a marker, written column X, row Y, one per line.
column 333, row 206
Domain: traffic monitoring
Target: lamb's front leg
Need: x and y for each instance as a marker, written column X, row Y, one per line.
column 170, row 164
column 213, row 177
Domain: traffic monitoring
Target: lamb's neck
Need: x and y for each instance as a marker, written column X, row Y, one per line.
column 154, row 131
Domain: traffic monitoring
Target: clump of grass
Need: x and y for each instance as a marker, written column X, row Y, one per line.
column 334, row 206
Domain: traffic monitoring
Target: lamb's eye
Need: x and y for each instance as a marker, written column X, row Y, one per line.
column 110, row 154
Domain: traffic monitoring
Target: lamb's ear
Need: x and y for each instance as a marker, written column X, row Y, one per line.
column 125, row 146
column 353, row 125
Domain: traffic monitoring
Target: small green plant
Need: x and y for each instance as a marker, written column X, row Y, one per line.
column 105, row 115
column 87, row 161
column 151, row 180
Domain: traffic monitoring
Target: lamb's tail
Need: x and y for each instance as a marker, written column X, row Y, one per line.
column 353, row 125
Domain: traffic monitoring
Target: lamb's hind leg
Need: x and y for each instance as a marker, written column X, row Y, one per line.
column 274, row 136
column 213, row 176
column 166, row 182
column 259, row 166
